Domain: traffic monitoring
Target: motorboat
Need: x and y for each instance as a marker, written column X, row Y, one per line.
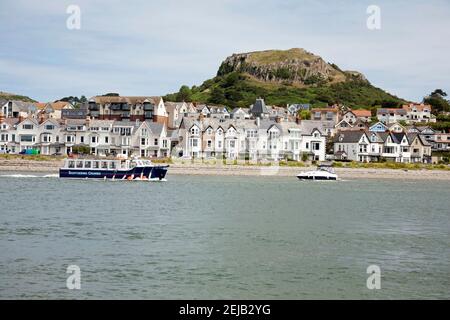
column 323, row 172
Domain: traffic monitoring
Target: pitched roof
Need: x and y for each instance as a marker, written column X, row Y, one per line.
column 418, row 107
column 349, row 136
column 391, row 110
column 259, row 107
column 362, row 113
column 59, row 105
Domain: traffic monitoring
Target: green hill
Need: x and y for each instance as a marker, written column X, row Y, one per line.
column 285, row 77
column 13, row 96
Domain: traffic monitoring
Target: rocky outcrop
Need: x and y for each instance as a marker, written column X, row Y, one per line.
column 294, row 65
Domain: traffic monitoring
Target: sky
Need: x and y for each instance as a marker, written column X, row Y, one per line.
column 152, row 47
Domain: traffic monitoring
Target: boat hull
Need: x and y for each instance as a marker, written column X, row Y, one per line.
column 316, row 178
column 137, row 173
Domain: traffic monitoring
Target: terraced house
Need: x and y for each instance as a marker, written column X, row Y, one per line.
column 98, row 137
column 252, row 139
column 128, row 108
column 366, row 146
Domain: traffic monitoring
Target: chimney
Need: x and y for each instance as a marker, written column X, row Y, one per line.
column 298, row 119
column 2, row 117
column 41, row 118
column 21, row 118
column 258, row 122
column 201, row 116
column 88, row 121
column 278, row 119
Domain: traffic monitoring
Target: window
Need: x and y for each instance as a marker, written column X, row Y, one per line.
column 232, row 144
column 307, row 145
column 316, row 146
column 4, row 137
column 96, row 165
column 49, row 127
column 143, row 142
column 209, row 142
column 71, row 164
column 194, row 142
column 219, row 144
column 82, row 139
column 106, row 139
column 94, row 139
column 28, row 126
column 79, row 164
column 27, row 138
column 156, row 142
column 88, row 164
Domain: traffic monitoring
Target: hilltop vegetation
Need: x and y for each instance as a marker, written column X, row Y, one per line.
column 284, row 77
column 13, row 96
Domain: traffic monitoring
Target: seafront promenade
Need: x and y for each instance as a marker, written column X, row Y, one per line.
column 218, row 169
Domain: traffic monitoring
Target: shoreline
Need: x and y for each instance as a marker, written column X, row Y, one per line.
column 52, row 166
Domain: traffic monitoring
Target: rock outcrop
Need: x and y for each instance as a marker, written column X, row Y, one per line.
column 294, row 65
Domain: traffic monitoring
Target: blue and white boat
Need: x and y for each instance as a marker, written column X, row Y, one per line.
column 134, row 169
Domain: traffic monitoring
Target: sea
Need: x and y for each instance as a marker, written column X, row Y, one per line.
column 223, row 237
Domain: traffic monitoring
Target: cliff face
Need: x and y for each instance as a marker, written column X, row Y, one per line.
column 294, row 66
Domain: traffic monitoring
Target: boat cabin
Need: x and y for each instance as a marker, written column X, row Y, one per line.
column 93, row 164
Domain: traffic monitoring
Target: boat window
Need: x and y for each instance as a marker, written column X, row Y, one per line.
column 132, row 165
column 80, row 164
column 104, row 165
column 112, row 165
column 71, row 164
column 96, row 164
column 88, row 164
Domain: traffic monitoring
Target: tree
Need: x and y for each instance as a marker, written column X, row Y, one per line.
column 304, row 114
column 184, row 94
column 217, row 96
column 439, row 92
column 437, row 101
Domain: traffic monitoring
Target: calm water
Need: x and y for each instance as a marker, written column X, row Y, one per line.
column 223, row 237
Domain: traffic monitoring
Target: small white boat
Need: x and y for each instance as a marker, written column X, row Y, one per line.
column 323, row 172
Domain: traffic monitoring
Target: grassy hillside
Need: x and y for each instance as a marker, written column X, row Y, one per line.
column 13, row 96
column 240, row 90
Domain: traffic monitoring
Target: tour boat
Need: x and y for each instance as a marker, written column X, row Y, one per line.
column 323, row 172
column 134, row 169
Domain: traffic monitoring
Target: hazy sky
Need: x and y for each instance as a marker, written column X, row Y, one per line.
column 153, row 47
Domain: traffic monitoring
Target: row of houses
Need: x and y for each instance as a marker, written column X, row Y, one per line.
column 366, row 146
column 99, row 137
column 148, row 126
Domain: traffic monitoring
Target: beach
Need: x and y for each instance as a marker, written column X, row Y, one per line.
column 52, row 166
